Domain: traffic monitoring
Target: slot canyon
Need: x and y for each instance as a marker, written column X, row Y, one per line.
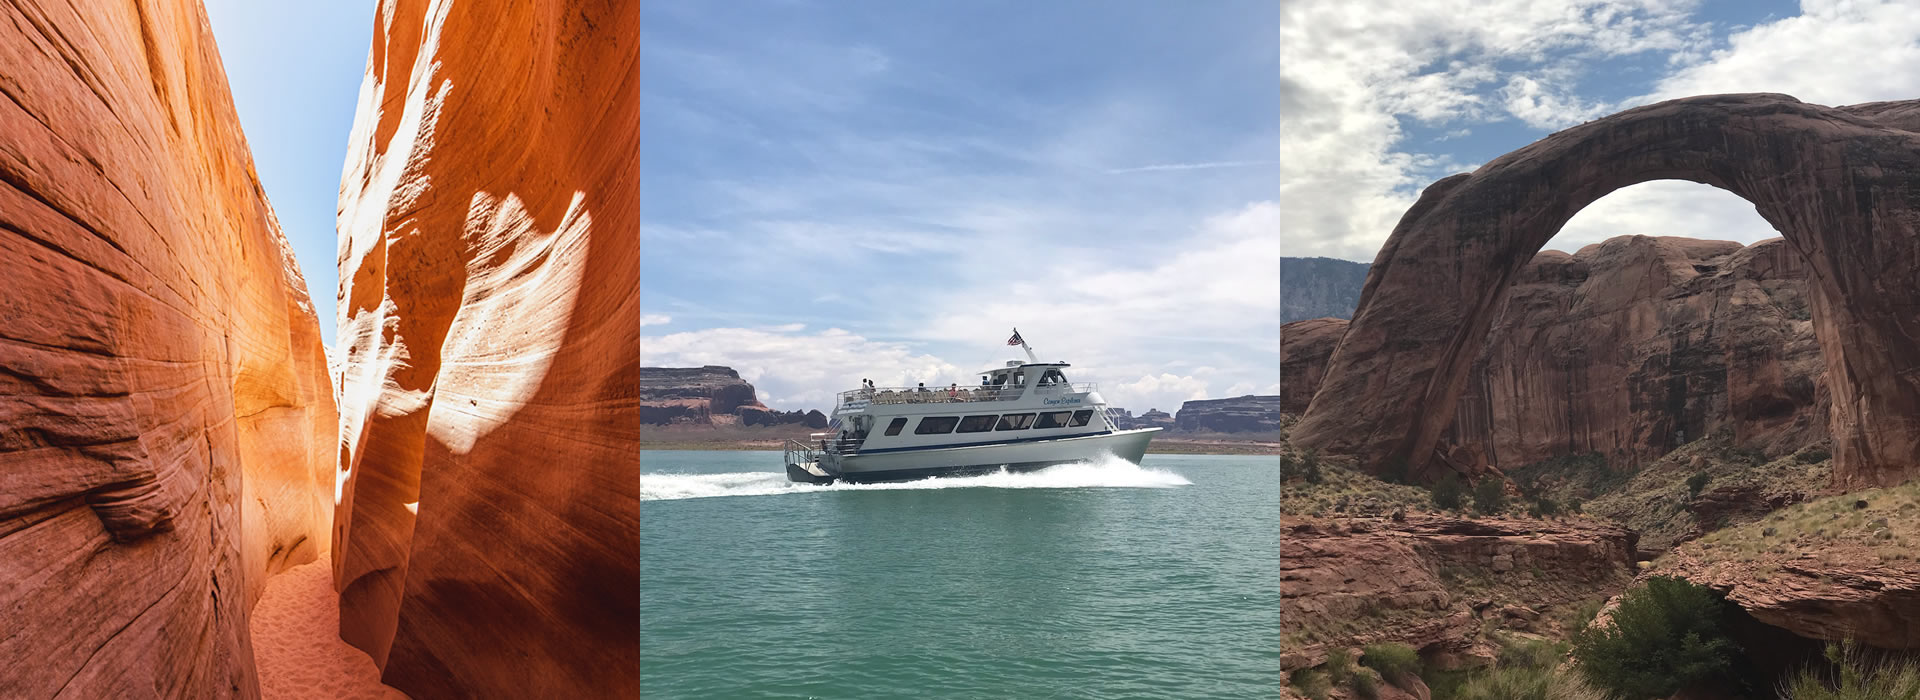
column 176, row 442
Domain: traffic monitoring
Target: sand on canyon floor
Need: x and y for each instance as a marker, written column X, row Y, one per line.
column 296, row 641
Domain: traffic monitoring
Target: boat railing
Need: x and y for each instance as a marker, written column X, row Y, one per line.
column 799, row 453
column 916, row 395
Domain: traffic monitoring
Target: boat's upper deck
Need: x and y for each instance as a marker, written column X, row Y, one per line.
column 1012, row 383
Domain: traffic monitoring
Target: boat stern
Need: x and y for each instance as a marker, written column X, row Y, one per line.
column 808, row 473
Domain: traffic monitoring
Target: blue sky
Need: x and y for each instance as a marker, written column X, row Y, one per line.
column 295, row 70
column 831, row 191
column 1380, row 102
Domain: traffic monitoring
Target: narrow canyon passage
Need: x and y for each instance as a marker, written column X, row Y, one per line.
column 296, row 641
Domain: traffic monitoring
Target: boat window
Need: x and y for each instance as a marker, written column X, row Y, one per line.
column 1056, row 419
column 935, row 425
column 977, row 424
column 894, row 427
column 1016, row 421
column 1080, row 418
column 1019, row 378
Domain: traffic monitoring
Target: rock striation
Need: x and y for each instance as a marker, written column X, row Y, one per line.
column 486, row 541
column 1435, row 290
column 168, row 421
column 710, row 395
column 1242, row 414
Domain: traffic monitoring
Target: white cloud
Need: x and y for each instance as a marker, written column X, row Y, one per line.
column 655, row 320
column 1836, row 52
column 1163, row 391
column 1355, row 74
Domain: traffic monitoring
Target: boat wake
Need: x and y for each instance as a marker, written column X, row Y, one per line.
column 1102, row 472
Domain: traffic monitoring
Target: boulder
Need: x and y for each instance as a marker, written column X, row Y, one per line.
column 486, row 541
column 168, row 439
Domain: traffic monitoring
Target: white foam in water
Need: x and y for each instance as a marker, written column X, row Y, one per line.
column 1104, row 472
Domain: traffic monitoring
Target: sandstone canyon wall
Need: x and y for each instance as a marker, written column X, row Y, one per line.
column 486, row 543
column 1841, row 184
column 1628, row 348
column 166, row 422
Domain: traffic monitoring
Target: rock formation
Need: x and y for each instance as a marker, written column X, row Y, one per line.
column 710, row 395
column 1356, row 581
column 1841, row 184
column 1627, row 348
column 486, row 543
column 168, row 422
column 1242, row 414
column 1305, row 347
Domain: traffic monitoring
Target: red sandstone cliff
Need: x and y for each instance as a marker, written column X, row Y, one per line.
column 166, row 422
column 1627, row 348
column 487, row 544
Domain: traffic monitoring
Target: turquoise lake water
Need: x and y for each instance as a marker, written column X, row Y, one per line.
column 1095, row 580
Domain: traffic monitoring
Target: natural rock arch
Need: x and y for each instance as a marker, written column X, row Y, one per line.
column 1842, row 184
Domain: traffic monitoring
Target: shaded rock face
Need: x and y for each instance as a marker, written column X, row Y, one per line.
column 1842, row 185
column 1305, row 347
column 1381, row 580
column 1840, row 594
column 1244, row 414
column 167, row 415
column 486, row 543
column 1637, row 345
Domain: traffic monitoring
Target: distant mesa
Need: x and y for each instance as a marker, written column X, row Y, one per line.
column 712, row 396
column 1241, row 414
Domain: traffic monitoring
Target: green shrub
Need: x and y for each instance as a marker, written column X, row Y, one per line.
column 1310, row 467
column 1394, row 472
column 1490, row 496
column 1448, row 492
column 1395, row 662
column 1813, row 455
column 1544, row 508
column 1696, row 482
column 1310, row 682
column 1664, row 636
column 1573, row 506
column 1339, row 665
column 1856, row 677
column 1363, row 686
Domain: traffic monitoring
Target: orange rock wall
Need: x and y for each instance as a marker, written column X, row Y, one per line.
column 487, row 540
column 166, row 422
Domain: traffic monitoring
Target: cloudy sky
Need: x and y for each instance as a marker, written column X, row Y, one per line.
column 1380, row 98
column 832, row 191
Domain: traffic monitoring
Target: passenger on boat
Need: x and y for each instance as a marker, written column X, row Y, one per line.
column 953, row 391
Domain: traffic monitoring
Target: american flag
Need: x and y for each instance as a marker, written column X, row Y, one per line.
column 1015, row 340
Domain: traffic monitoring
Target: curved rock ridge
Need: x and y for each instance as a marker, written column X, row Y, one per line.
column 486, row 540
column 1841, row 184
column 168, row 424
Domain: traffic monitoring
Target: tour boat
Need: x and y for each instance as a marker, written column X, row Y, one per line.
column 1022, row 416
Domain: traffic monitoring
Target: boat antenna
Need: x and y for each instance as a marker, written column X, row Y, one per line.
column 1022, row 342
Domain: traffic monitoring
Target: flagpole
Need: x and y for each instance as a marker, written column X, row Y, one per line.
column 1023, row 346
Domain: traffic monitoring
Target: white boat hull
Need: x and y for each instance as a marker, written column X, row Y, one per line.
column 1130, row 445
